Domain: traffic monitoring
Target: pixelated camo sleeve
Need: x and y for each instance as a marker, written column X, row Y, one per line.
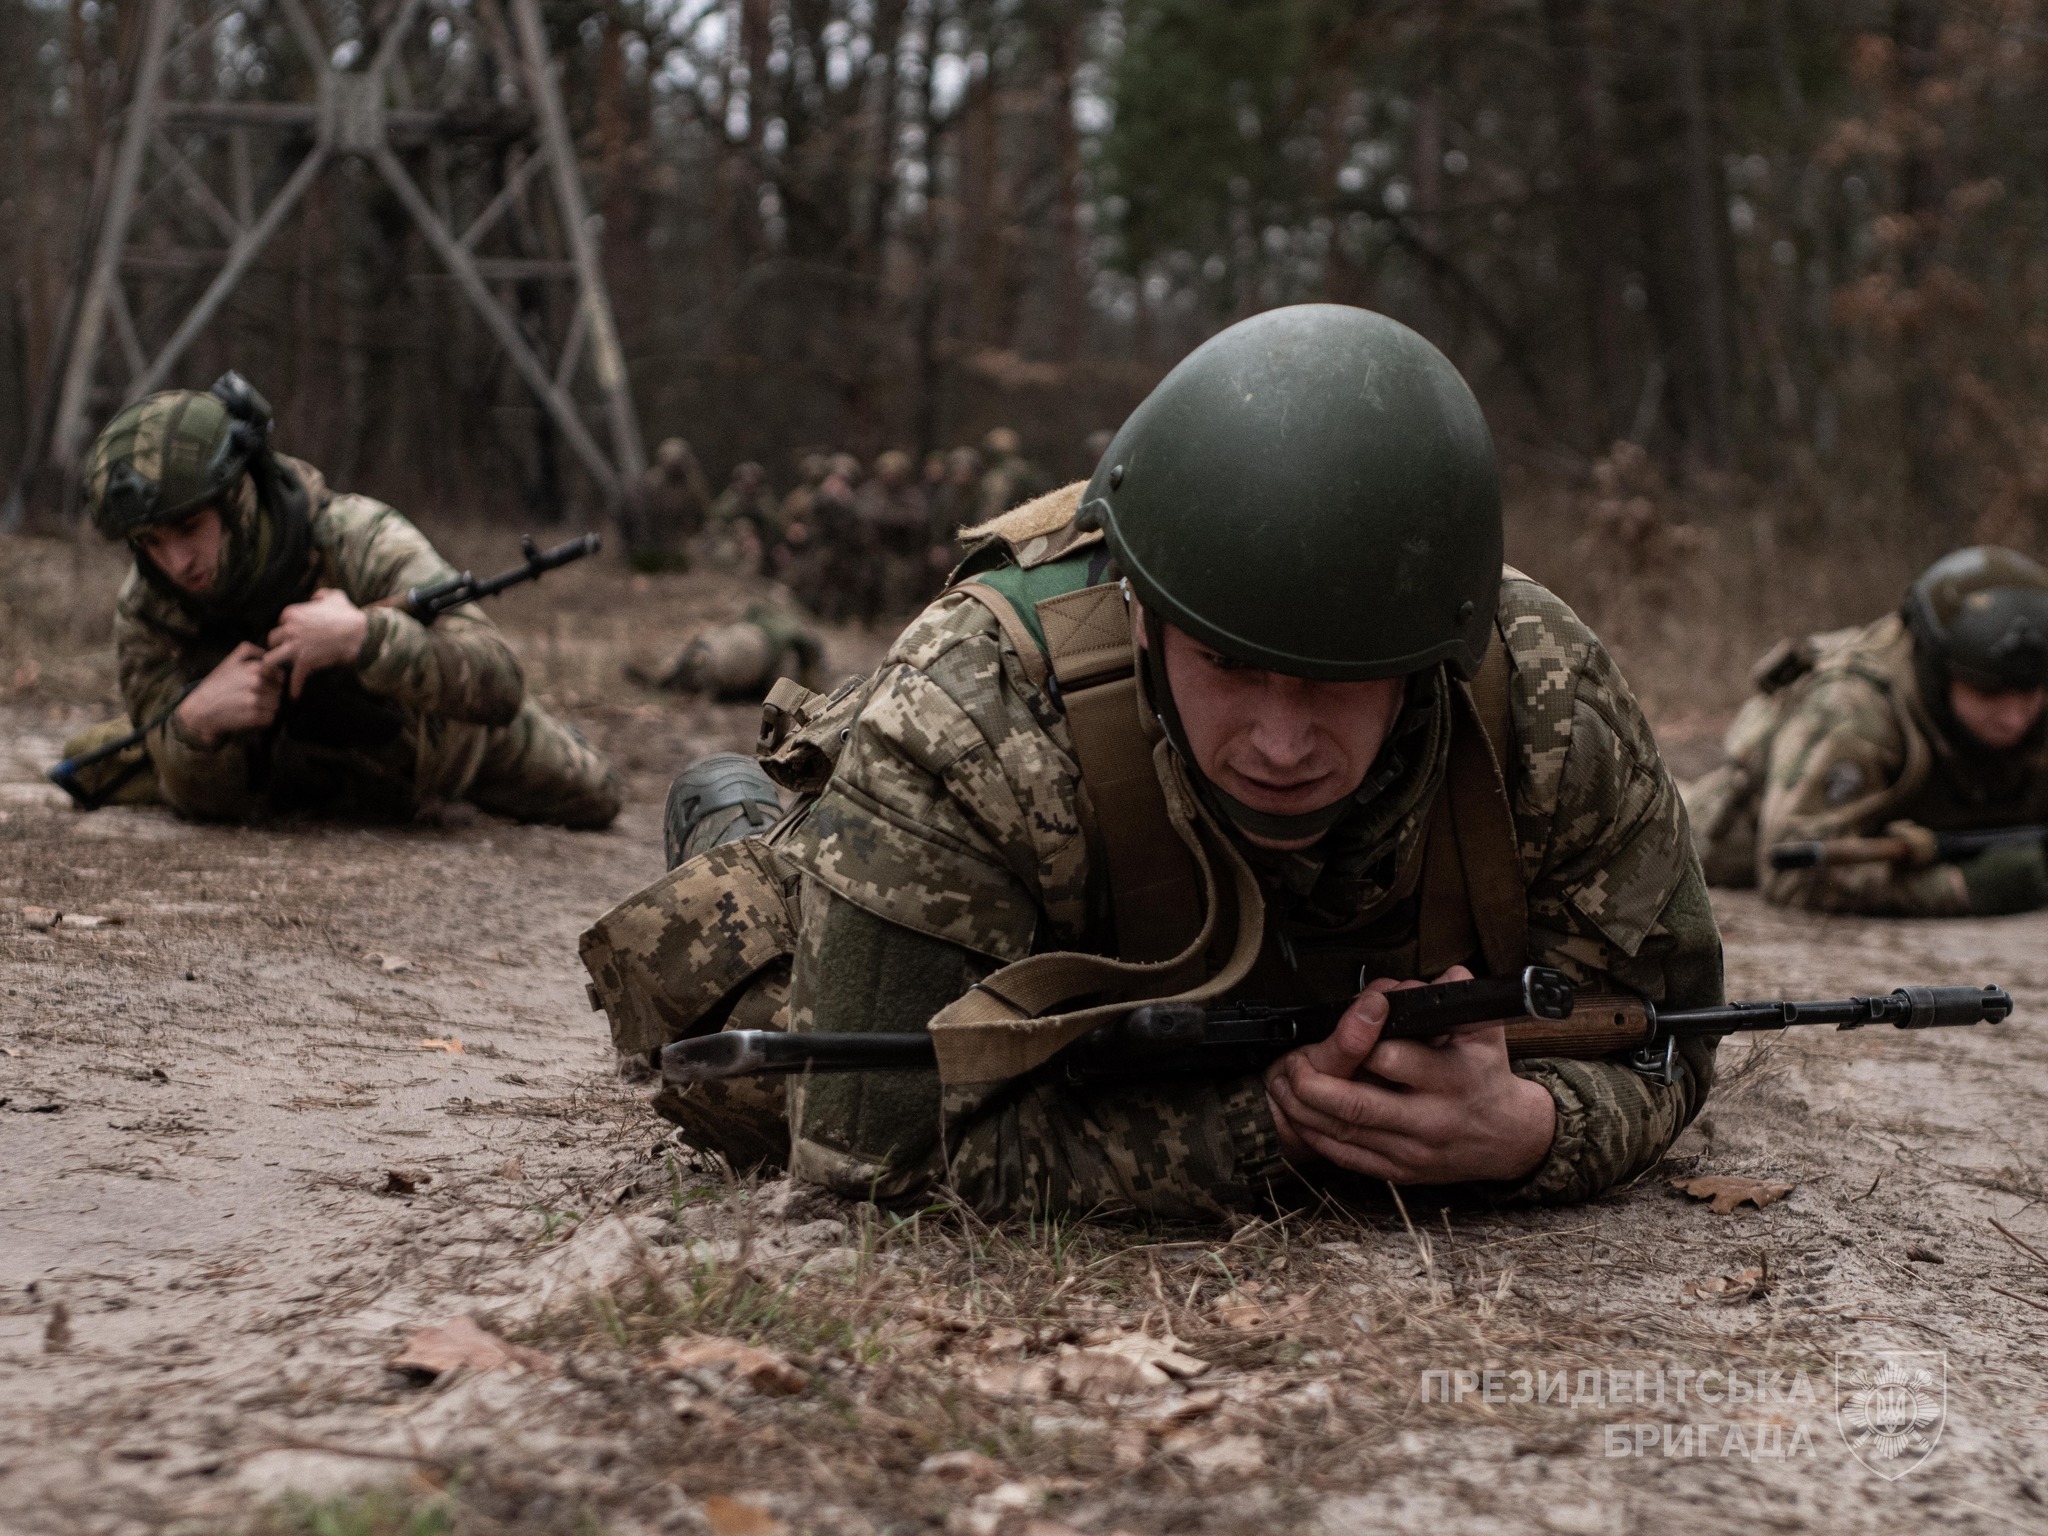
column 1616, row 898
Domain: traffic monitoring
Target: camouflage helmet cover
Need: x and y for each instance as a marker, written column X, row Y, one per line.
column 1981, row 615
column 163, row 458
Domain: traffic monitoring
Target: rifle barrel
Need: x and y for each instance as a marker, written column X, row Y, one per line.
column 1906, row 1008
column 1949, row 848
column 1166, row 1037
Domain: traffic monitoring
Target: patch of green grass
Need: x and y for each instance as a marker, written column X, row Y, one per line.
column 372, row 1512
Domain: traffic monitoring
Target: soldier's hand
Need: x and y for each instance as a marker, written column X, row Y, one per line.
column 326, row 630
column 241, row 694
column 1410, row 1111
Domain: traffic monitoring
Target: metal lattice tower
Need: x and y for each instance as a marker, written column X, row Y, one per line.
column 464, row 89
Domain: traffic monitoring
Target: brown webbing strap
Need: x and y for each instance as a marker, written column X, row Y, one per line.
column 1473, row 898
column 1015, row 630
column 1154, row 887
column 1008, row 1024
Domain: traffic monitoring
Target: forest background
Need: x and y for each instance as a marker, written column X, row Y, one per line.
column 1755, row 292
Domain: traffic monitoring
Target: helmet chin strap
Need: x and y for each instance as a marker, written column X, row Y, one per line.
column 1303, row 828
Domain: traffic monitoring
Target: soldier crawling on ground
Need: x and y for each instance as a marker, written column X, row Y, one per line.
column 1404, row 762
column 743, row 660
column 259, row 606
column 1926, row 721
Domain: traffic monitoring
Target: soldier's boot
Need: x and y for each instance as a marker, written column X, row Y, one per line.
column 716, row 800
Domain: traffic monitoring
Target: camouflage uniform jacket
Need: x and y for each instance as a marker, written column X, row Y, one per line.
column 1854, row 748
column 948, row 841
column 408, row 723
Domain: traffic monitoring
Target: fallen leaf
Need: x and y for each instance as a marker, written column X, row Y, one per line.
column 1729, row 1289
column 1727, row 1191
column 1004, row 1340
column 1032, row 1379
column 728, row 1516
column 1240, row 1312
column 1218, row 1456
column 961, row 1467
column 512, row 1168
column 452, row 1047
column 461, row 1345
column 404, row 1181
column 763, row 1370
column 712, row 1414
column 390, row 965
column 1164, row 1354
column 1179, row 1410
column 1135, row 1363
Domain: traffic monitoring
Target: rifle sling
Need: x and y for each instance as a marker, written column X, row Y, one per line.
column 1159, row 851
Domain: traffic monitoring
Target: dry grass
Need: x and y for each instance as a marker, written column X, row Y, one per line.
column 963, row 1377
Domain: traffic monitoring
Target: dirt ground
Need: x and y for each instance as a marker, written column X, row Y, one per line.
column 242, row 1163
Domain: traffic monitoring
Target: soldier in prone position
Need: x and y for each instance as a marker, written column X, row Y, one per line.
column 257, row 587
column 1406, row 761
column 1926, row 721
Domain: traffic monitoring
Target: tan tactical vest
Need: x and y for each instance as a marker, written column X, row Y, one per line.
column 1191, row 923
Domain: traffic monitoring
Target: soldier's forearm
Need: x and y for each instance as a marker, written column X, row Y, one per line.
column 1612, row 1122
column 460, row 669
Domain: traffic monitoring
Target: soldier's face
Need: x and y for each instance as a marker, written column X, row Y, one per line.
column 1283, row 745
column 188, row 552
column 1998, row 720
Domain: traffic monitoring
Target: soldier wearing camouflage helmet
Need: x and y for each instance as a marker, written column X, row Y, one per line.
column 254, row 608
column 1288, row 569
column 1925, row 721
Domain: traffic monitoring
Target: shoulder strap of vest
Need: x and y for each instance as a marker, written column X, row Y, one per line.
column 1473, row 899
column 1072, row 629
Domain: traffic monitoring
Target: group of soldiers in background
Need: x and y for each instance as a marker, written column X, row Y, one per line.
column 850, row 544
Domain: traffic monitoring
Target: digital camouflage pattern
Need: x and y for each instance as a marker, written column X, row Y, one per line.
column 705, row 947
column 949, row 841
column 1848, row 749
column 429, row 713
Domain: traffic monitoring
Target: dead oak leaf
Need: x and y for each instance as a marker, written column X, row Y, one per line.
column 1218, row 1456
column 452, row 1046
column 461, row 1345
column 1727, row 1191
column 1752, row 1283
column 761, row 1369
column 729, row 1516
column 1135, row 1363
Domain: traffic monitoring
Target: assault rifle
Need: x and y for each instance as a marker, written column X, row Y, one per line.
column 425, row 604
column 1949, row 848
column 1543, row 1014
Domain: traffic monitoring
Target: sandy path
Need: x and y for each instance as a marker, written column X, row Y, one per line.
column 206, row 1101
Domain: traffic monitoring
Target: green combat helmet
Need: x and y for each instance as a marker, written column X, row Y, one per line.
column 1310, row 492
column 1313, row 492
column 169, row 454
column 1980, row 616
